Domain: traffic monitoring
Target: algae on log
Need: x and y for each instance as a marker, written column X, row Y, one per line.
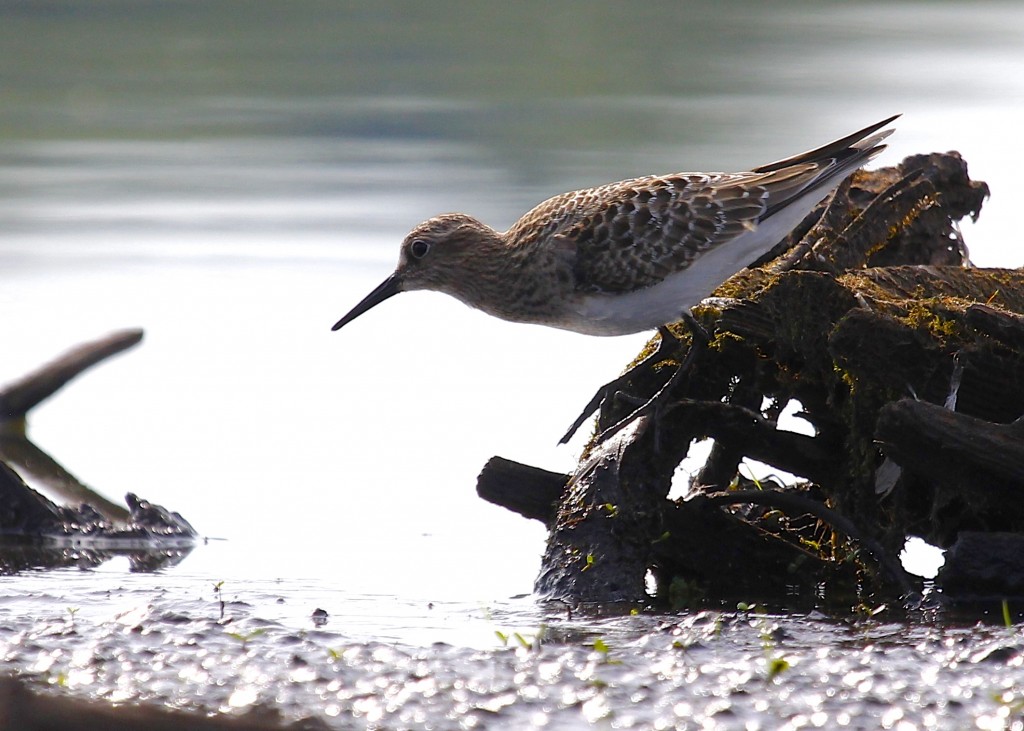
column 868, row 303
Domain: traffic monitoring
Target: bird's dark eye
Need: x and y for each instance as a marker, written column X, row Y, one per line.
column 419, row 248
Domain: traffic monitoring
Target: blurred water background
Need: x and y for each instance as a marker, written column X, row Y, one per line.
column 234, row 176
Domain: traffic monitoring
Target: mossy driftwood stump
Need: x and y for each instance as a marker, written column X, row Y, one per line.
column 907, row 364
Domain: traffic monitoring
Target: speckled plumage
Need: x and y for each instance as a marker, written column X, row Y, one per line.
column 626, row 256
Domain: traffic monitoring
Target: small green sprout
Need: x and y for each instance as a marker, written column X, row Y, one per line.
column 244, row 638
column 777, row 666
column 525, row 641
column 1011, row 700
column 218, row 592
column 735, row 484
column 605, row 650
column 775, row 663
column 683, row 594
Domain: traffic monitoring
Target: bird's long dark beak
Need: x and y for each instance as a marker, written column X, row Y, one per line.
column 388, row 288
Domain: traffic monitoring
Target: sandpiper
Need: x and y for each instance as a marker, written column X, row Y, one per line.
column 627, row 256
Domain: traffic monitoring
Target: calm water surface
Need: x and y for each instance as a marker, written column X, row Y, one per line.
column 233, row 180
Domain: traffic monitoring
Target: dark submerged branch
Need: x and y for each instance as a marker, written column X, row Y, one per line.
column 530, row 491
column 793, row 502
column 42, row 469
column 952, row 448
column 747, row 431
column 16, row 399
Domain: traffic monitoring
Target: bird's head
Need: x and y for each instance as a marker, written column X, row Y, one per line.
column 441, row 254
